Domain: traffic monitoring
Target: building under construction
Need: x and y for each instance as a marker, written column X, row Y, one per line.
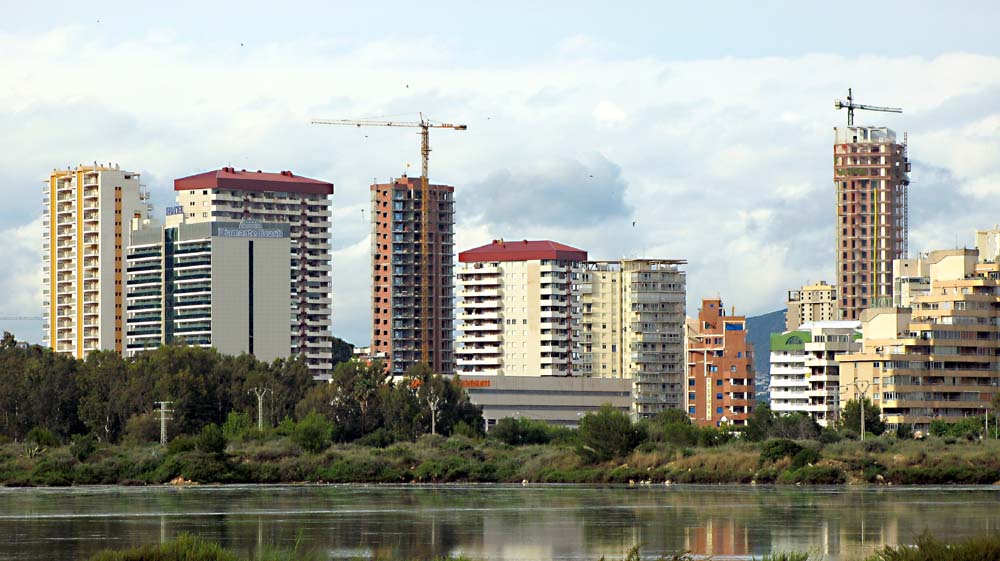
column 412, row 286
column 870, row 173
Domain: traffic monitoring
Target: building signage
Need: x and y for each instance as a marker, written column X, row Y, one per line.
column 171, row 210
column 475, row 383
column 249, row 228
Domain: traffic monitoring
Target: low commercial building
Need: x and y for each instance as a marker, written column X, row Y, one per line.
column 719, row 366
column 519, row 309
column 555, row 400
column 811, row 303
column 937, row 358
column 805, row 376
column 633, row 328
column 214, row 284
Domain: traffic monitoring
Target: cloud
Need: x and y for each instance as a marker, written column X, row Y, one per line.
column 566, row 192
column 723, row 162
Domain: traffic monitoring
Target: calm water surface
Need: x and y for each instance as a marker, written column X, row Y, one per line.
column 493, row 521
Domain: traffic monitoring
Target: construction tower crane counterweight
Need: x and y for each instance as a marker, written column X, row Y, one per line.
column 851, row 106
column 424, row 125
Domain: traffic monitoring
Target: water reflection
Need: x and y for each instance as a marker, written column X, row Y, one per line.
column 493, row 522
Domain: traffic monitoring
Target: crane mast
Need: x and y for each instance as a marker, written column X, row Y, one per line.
column 427, row 267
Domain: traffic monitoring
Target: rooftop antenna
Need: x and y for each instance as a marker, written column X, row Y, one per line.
column 851, row 106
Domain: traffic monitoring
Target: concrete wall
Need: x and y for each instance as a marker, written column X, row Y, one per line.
column 231, row 296
column 558, row 400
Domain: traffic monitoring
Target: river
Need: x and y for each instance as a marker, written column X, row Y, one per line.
column 493, row 521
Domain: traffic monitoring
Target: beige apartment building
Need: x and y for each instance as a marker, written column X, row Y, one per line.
column 938, row 358
column 811, row 303
column 85, row 225
column 633, row 328
column 301, row 203
column 519, row 309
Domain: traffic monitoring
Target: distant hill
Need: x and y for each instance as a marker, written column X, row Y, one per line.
column 759, row 330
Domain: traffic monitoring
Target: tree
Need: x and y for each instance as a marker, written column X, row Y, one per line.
column 850, row 417
column 312, row 433
column 607, row 434
column 211, row 440
column 342, row 351
column 760, row 424
column 521, row 431
column 102, row 378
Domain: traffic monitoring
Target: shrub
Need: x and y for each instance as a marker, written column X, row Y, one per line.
column 930, row 549
column 813, row 475
column 211, row 440
column 83, row 446
column 180, row 445
column 776, row 449
column 237, row 426
column 804, row 457
column 607, row 434
column 142, row 428
column 520, row 431
column 42, row 437
column 379, row 438
column 313, row 432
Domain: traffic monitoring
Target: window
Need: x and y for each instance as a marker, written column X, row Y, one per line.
column 691, row 410
column 719, row 383
column 719, row 397
column 691, row 382
column 691, row 397
column 719, row 410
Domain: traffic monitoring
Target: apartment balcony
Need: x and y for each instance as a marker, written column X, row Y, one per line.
column 478, row 351
column 487, row 281
column 480, row 316
column 484, row 293
column 481, row 327
column 482, row 361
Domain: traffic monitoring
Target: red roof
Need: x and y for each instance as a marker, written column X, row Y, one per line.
column 522, row 250
column 243, row 180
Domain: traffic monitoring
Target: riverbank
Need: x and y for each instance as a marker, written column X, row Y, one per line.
column 435, row 459
column 927, row 548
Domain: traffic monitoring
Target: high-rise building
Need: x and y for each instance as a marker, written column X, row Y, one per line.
column 412, row 276
column 938, row 358
column 633, row 327
column 988, row 244
column 303, row 204
column 805, row 377
column 719, row 367
column 870, row 174
column 86, row 230
column 214, row 284
column 812, row 302
column 519, row 309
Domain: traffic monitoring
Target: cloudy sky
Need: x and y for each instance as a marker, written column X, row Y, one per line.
column 710, row 127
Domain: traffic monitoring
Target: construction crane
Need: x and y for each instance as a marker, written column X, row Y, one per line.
column 851, row 106
column 424, row 125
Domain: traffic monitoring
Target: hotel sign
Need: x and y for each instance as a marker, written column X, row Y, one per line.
column 249, row 228
column 171, row 210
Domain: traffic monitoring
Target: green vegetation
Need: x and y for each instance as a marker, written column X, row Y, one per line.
column 190, row 548
column 92, row 422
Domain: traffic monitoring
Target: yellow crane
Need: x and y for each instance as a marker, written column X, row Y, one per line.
column 424, row 125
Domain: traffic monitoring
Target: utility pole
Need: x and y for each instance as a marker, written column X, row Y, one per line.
column 259, row 392
column 433, row 401
column 163, row 420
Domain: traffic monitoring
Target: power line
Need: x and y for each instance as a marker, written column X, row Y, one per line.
column 259, row 392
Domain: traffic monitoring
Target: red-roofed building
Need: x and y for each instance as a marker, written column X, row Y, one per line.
column 228, row 194
column 519, row 309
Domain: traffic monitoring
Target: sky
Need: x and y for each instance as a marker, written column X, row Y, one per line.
column 698, row 131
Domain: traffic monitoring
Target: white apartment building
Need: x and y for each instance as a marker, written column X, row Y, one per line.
column 805, row 375
column 632, row 327
column 209, row 284
column 303, row 205
column 519, row 309
column 85, row 225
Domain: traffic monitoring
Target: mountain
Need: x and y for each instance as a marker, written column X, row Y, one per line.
column 759, row 330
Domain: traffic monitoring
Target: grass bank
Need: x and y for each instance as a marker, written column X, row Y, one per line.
column 435, row 459
column 927, row 548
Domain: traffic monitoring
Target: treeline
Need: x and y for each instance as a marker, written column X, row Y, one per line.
column 48, row 397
